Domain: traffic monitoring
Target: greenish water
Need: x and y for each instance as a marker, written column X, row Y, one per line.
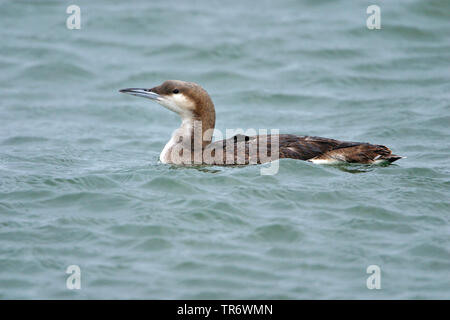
column 81, row 184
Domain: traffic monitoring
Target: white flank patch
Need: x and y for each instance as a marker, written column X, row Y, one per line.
column 324, row 161
column 380, row 161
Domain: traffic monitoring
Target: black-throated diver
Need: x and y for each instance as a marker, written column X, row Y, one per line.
column 194, row 105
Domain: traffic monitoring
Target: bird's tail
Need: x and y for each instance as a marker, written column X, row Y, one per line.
column 393, row 157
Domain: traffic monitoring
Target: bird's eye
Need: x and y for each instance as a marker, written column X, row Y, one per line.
column 176, row 91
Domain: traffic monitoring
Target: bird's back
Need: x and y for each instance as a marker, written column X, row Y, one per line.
column 243, row 149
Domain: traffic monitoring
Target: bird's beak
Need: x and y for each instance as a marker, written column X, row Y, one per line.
column 146, row 93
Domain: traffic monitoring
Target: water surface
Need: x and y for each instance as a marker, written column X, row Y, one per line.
column 81, row 184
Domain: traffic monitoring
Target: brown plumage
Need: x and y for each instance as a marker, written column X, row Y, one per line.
column 196, row 108
column 313, row 149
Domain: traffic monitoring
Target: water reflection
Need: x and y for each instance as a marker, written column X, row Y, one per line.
column 359, row 168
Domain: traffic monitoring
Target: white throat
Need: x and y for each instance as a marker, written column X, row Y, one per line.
column 178, row 103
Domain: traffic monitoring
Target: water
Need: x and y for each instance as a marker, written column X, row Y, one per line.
column 80, row 181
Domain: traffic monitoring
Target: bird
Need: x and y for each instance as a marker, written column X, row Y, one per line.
column 191, row 143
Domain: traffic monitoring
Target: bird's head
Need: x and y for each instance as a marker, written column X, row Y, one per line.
column 187, row 99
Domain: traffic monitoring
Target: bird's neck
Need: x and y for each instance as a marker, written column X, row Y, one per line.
column 189, row 140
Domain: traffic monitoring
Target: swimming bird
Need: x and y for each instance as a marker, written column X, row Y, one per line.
column 192, row 142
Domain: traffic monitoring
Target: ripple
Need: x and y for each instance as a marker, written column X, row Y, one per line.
column 23, row 140
column 277, row 233
column 430, row 251
column 81, row 182
column 170, row 185
column 56, row 71
column 153, row 244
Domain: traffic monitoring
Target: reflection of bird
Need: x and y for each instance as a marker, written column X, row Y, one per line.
column 196, row 109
